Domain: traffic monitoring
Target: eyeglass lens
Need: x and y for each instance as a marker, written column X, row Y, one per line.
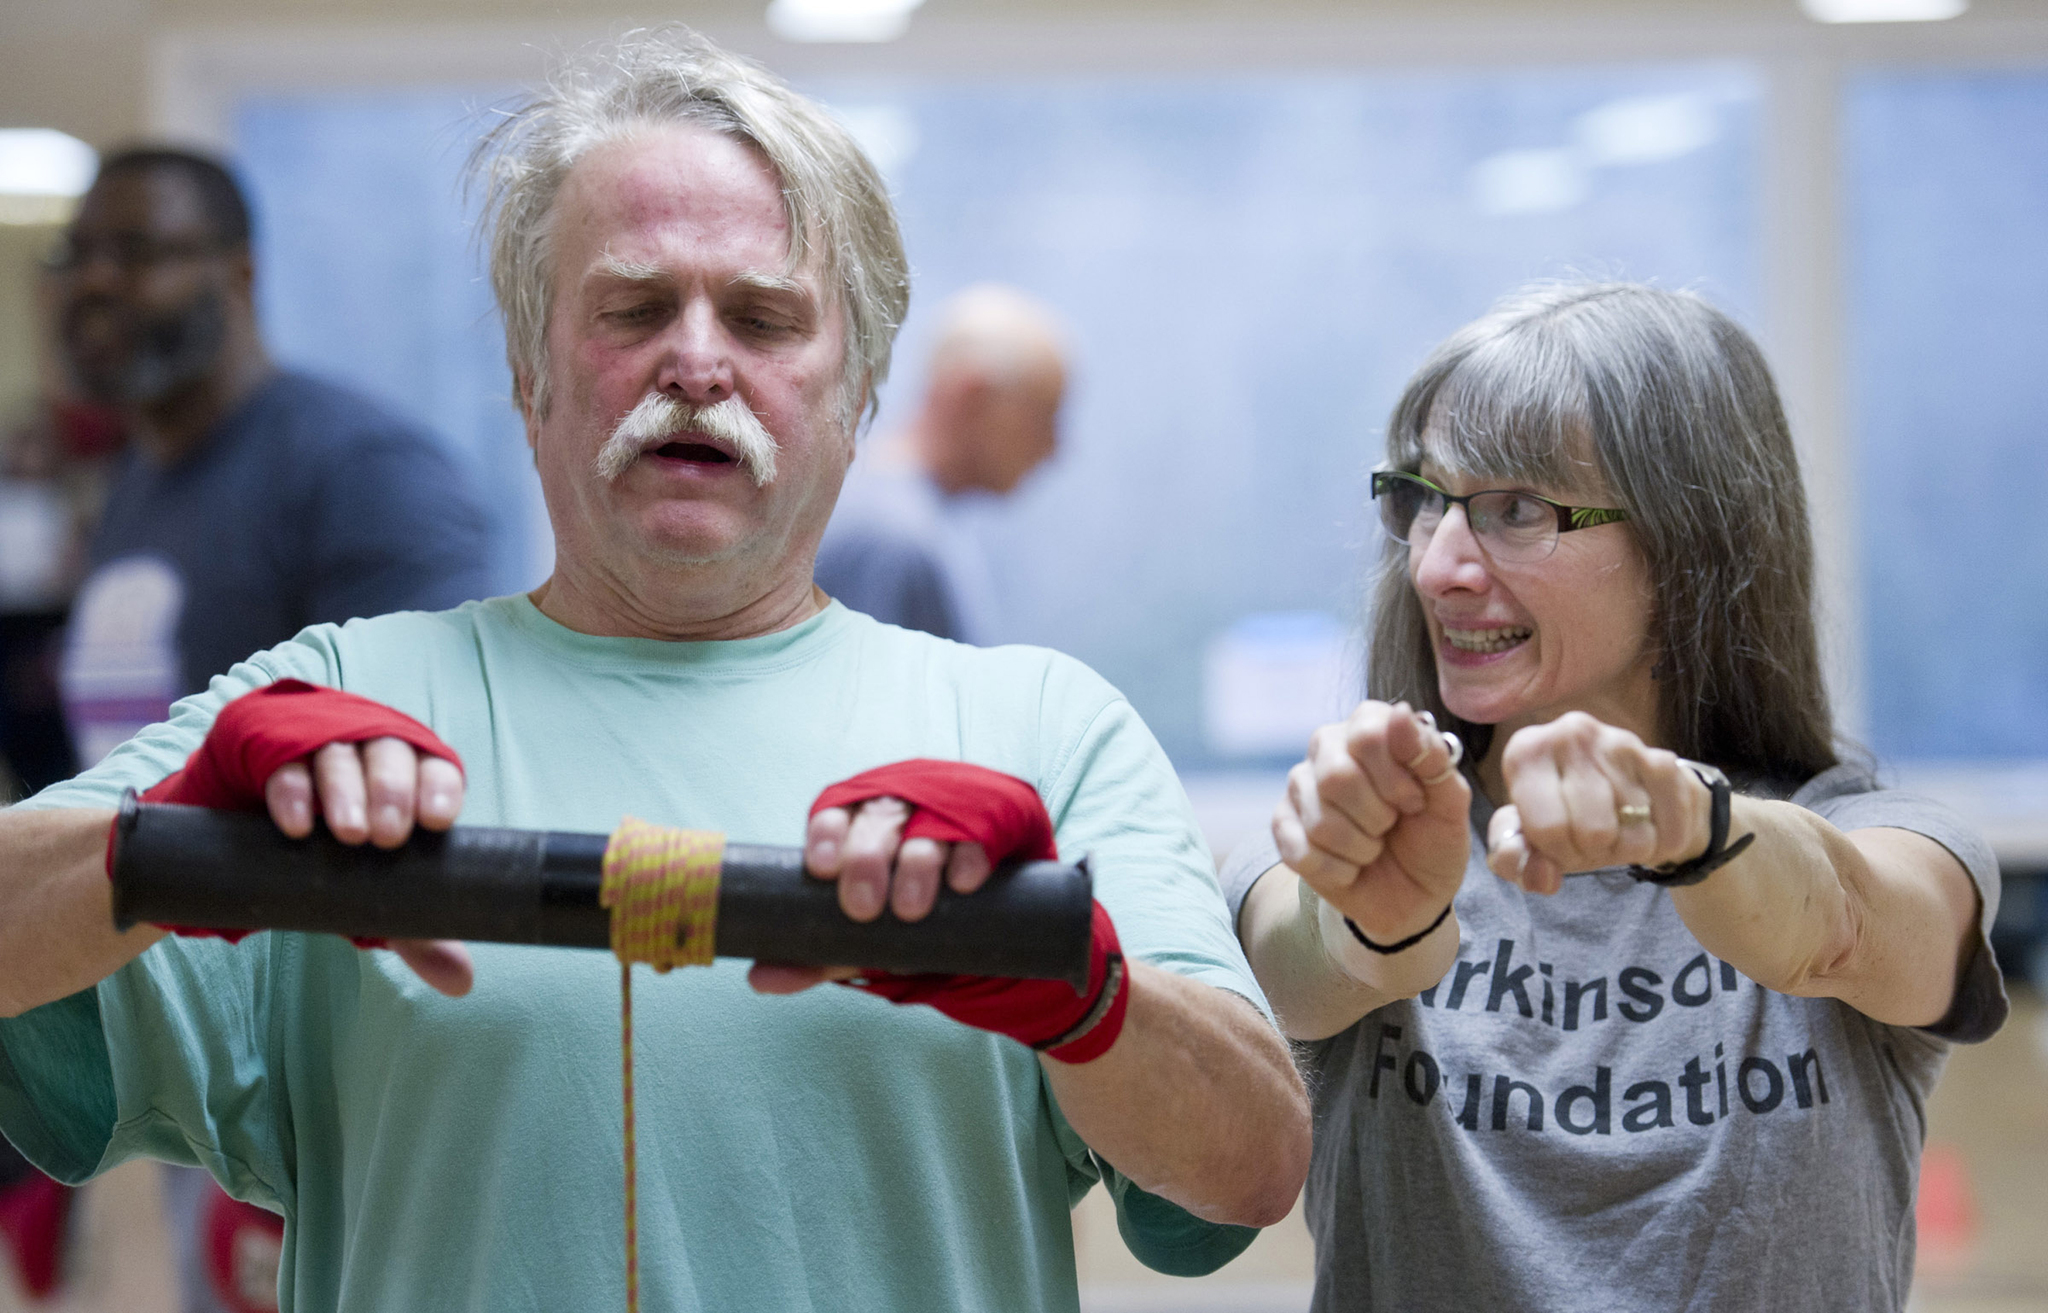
column 1511, row 525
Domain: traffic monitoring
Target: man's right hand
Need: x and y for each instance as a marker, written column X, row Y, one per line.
column 1375, row 820
column 376, row 792
column 370, row 772
column 292, row 750
column 369, row 792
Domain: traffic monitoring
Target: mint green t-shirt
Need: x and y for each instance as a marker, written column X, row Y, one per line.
column 827, row 1151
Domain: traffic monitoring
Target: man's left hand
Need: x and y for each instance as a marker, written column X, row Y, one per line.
column 863, row 848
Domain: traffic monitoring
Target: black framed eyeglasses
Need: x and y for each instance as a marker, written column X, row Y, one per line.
column 130, row 252
column 1512, row 526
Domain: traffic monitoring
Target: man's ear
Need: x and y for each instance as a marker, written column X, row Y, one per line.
column 236, row 280
column 529, row 414
column 860, row 413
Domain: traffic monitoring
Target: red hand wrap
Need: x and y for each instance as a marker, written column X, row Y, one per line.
column 244, row 1245
column 279, row 724
column 33, row 1216
column 272, row 727
column 959, row 803
column 956, row 803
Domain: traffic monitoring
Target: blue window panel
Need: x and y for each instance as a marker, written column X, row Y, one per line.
column 1250, row 268
column 1948, row 260
column 367, row 274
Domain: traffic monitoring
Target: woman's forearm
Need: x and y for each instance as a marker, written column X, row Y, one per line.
column 1877, row 918
column 1316, row 992
column 57, row 931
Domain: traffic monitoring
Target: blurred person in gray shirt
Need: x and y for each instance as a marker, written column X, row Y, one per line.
column 989, row 417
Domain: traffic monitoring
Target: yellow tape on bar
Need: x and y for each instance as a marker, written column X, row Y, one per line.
column 661, row 885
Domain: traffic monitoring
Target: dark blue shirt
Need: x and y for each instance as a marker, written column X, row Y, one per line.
column 308, row 504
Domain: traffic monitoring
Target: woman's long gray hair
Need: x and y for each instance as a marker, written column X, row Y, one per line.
column 1675, row 407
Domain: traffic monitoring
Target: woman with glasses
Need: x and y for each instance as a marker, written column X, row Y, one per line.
column 1620, row 987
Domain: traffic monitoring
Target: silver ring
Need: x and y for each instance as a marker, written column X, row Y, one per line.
column 1635, row 813
column 1457, row 751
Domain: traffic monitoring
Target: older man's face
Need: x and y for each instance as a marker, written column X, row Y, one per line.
column 669, row 249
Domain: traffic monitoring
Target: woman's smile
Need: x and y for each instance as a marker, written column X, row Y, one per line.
column 1484, row 641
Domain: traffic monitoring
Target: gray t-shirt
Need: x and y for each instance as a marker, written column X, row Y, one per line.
column 891, row 552
column 1589, row 1112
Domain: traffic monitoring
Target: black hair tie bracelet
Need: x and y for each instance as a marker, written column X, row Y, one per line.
column 1410, row 942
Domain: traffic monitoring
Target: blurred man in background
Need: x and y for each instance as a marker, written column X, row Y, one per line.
column 989, row 416
column 252, row 501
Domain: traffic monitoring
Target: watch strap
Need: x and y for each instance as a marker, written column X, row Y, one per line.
column 1719, row 851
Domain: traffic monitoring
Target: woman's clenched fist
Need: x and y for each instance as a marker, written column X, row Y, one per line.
column 1374, row 820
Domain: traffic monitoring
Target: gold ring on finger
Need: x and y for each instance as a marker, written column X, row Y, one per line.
column 1635, row 813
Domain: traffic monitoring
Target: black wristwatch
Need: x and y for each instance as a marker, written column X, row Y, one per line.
column 1719, row 851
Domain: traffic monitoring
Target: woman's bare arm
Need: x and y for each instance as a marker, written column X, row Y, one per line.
column 1374, row 828
column 1880, row 918
column 1316, row 990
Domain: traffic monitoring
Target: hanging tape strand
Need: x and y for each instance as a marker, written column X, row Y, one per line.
column 632, row 1172
column 661, row 886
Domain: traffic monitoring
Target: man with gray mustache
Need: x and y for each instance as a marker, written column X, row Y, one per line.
column 660, row 420
column 701, row 278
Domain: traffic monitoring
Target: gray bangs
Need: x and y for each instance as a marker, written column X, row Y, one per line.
column 1501, row 400
column 1513, row 410
column 837, row 205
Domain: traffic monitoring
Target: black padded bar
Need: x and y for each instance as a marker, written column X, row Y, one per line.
column 236, row 871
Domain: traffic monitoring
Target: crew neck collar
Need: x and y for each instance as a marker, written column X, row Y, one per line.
column 801, row 642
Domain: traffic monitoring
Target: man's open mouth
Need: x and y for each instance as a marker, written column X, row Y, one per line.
column 697, row 452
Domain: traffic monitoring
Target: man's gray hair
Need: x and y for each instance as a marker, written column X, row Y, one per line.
column 837, row 206
column 1657, row 402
